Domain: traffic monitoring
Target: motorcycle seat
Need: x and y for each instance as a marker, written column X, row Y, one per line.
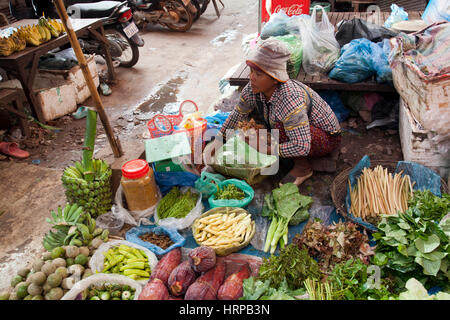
column 100, row 9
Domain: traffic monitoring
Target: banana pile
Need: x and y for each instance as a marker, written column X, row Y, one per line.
column 33, row 35
column 73, row 227
column 12, row 44
column 94, row 196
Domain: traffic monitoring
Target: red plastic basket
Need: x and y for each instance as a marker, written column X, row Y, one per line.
column 162, row 125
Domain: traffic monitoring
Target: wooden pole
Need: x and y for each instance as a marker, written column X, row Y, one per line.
column 113, row 141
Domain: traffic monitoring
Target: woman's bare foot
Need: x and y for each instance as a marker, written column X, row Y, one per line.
column 299, row 180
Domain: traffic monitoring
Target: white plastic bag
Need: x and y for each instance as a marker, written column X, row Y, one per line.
column 134, row 218
column 320, row 47
column 97, row 260
column 187, row 221
column 397, row 14
column 98, row 280
column 437, row 10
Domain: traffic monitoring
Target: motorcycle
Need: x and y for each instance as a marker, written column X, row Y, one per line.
column 120, row 30
column 177, row 15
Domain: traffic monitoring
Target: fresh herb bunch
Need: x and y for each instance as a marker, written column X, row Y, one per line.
column 292, row 264
column 430, row 206
column 229, row 192
column 413, row 245
column 176, row 204
column 349, row 281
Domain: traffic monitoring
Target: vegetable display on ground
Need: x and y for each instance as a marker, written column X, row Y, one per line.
column 107, row 291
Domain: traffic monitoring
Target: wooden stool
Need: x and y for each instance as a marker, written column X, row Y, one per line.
column 16, row 98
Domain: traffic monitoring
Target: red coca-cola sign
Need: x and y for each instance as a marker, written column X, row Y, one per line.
column 291, row 7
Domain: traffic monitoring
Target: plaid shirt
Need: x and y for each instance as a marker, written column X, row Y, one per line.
column 288, row 106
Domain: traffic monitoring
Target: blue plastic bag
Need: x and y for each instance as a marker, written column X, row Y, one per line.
column 216, row 119
column 334, row 101
column 248, row 191
column 167, row 180
column 355, row 63
column 380, row 61
column 133, row 236
column 424, row 178
column 278, row 25
column 397, row 14
column 437, row 10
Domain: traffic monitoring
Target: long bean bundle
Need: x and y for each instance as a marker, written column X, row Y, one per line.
column 379, row 192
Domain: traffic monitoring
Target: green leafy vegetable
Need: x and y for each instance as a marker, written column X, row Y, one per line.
column 350, row 281
column 416, row 243
column 430, row 206
column 292, row 264
column 285, row 206
column 229, row 192
column 261, row 290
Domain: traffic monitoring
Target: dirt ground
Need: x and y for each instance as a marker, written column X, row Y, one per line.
column 172, row 67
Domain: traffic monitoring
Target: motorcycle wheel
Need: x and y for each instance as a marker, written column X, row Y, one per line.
column 197, row 6
column 204, row 5
column 130, row 55
column 186, row 20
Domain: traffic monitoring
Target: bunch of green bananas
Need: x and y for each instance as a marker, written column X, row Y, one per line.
column 94, row 196
column 73, row 227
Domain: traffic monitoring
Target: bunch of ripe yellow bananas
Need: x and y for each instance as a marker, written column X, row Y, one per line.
column 11, row 44
column 33, row 35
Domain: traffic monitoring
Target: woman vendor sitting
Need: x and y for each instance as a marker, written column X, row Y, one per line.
column 308, row 128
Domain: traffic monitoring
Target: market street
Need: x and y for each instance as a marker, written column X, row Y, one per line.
column 172, row 67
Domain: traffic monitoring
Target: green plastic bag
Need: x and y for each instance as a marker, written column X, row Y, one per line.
column 248, row 191
column 235, row 153
column 207, row 183
column 295, row 47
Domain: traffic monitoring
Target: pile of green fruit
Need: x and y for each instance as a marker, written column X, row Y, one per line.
column 108, row 292
column 127, row 261
column 51, row 276
column 95, row 195
column 88, row 183
column 72, row 226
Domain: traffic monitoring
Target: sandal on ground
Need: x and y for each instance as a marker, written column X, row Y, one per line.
column 12, row 149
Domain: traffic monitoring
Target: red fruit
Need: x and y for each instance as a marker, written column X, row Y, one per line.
column 154, row 290
column 202, row 258
column 231, row 289
column 166, row 265
column 207, row 285
column 181, row 278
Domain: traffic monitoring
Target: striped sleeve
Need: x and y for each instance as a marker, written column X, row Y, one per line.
column 296, row 125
